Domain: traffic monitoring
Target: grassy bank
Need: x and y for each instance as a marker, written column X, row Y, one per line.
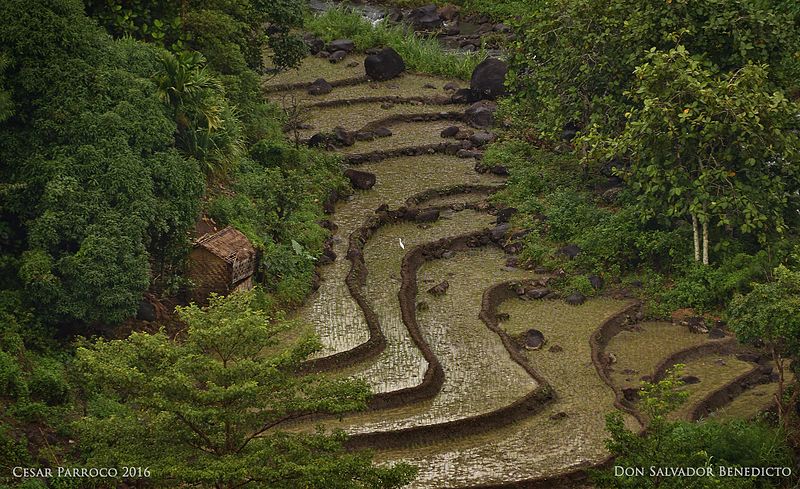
column 421, row 54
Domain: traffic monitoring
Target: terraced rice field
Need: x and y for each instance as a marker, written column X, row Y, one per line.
column 456, row 395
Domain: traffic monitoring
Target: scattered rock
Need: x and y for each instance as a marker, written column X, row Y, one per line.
column 503, row 316
column 465, row 153
column 537, row 292
column 558, row 416
column 716, row 334
column 534, row 339
column 575, row 299
column 382, row 132
column 328, row 256
column 480, row 114
column 463, row 134
column 429, row 86
column 427, row 216
column 387, row 105
column 610, row 359
column 364, row 135
column 596, row 281
column 451, row 86
column 361, row 180
column 337, row 56
column 689, row 379
column 499, row 170
column 352, row 64
column 319, row 87
column 345, row 45
column 499, row 232
column 481, row 138
column 385, row 65
column 488, row 78
column 323, row 54
column 146, row 311
column 343, row 136
column 425, row 17
column 464, row 96
column 696, row 324
column 556, row 349
column 449, row 132
column 504, row 215
column 720, row 362
column 422, row 306
column 440, row 289
column 448, row 12
column 570, row 250
column 317, row 140
column 631, row 394
column 748, row 357
column 315, row 44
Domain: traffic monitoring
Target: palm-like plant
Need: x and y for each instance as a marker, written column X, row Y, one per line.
column 208, row 128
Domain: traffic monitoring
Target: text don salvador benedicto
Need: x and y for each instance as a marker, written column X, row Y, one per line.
column 706, row 471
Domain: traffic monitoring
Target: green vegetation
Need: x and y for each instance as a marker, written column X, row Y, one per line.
column 208, row 410
column 421, row 54
column 770, row 314
column 705, row 445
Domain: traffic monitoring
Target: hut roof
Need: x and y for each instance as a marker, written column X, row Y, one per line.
column 228, row 244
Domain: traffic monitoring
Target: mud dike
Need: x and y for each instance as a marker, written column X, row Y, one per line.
column 456, row 395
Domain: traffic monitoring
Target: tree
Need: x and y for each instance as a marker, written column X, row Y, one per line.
column 681, row 444
column 209, row 409
column 720, row 148
column 770, row 314
column 573, row 59
column 93, row 193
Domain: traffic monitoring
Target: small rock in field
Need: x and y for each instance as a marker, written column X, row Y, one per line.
column 451, row 86
column 556, row 349
column 345, row 45
column 440, row 289
column 575, row 299
column 449, row 132
column 383, row 132
column 319, row 87
column 534, row 339
column 337, row 56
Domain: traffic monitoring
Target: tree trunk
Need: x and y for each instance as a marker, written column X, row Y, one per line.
column 705, row 242
column 696, row 233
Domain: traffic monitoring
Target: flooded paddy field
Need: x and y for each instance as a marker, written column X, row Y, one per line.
column 481, row 376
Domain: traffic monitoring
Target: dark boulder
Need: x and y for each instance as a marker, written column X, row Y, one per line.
column 463, row 134
column 364, row 135
column 575, row 299
column 361, row 180
column 504, row 215
column 537, row 293
column 499, row 170
column 631, row 394
column 570, row 250
column 488, row 78
column 317, row 140
column 465, row 153
column 146, row 311
column 480, row 114
column 319, row 87
column 499, row 232
column 427, row 215
column 382, row 132
column 697, row 325
column 337, row 56
column 534, row 339
column 425, row 17
column 343, row 136
column 439, row 289
column 716, row 334
column 345, row 45
column 689, row 379
column 481, row 138
column 385, row 65
column 315, row 44
column 502, row 316
column 596, row 281
column 449, row 132
column 464, row 96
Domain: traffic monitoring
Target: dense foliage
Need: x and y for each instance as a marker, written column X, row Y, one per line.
column 574, row 59
column 94, row 192
column 679, row 444
column 209, row 409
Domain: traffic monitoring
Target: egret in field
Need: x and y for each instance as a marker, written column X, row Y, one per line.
column 402, row 246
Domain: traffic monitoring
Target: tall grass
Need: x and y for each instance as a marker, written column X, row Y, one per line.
column 423, row 54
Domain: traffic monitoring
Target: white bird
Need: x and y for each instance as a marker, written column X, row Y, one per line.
column 401, row 243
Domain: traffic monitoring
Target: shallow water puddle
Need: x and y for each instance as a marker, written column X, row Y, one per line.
column 540, row 445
